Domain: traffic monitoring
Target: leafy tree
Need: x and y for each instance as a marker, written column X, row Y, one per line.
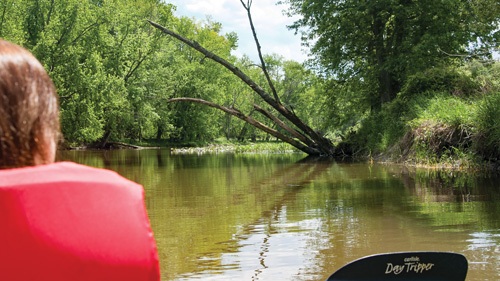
column 236, row 95
column 95, row 52
column 114, row 74
column 382, row 42
column 197, row 77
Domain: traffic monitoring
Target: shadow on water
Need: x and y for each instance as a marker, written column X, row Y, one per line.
column 283, row 217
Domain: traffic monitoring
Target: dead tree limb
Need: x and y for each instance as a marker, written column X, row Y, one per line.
column 322, row 145
column 253, row 122
column 284, row 126
column 262, row 62
column 195, row 45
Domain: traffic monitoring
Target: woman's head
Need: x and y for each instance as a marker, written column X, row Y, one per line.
column 29, row 113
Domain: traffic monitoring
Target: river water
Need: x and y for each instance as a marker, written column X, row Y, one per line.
column 285, row 217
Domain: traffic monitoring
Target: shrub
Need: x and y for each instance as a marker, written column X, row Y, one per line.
column 487, row 76
column 449, row 80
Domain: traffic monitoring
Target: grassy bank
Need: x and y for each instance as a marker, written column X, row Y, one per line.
column 447, row 117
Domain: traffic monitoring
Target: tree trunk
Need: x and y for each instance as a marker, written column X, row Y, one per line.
column 243, row 132
column 384, row 77
column 386, row 91
column 159, row 132
column 105, row 139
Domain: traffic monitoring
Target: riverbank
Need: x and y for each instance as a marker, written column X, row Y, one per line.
column 441, row 118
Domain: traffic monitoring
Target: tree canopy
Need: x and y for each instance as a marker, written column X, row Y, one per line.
column 114, row 73
column 383, row 42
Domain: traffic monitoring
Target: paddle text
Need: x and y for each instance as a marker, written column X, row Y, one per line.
column 411, row 264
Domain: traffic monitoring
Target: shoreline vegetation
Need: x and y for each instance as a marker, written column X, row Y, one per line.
column 396, row 85
column 444, row 118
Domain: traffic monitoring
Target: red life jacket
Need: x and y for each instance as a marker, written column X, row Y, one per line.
column 65, row 221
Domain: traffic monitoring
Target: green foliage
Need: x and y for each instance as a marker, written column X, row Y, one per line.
column 488, row 112
column 297, row 88
column 380, row 130
column 432, row 128
column 348, row 104
column 384, row 42
column 487, row 76
column 440, row 118
column 266, row 147
column 93, row 52
column 221, row 146
column 450, row 80
column 442, row 108
column 114, row 72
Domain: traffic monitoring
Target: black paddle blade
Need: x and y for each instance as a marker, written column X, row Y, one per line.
column 410, row 266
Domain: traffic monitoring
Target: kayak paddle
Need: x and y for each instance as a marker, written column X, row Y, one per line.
column 408, row 266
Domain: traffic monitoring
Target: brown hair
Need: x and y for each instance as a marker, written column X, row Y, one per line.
column 29, row 111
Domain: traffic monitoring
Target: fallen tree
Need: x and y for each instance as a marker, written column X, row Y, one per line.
column 302, row 137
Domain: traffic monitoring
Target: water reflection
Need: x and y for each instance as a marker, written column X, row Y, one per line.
column 278, row 217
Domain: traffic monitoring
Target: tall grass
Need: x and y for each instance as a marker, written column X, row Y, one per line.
column 488, row 125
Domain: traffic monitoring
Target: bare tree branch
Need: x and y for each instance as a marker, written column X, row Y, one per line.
column 85, row 30
column 263, row 63
column 136, row 64
column 195, row 45
column 284, row 126
column 50, row 12
column 322, row 144
column 468, row 56
column 253, row 122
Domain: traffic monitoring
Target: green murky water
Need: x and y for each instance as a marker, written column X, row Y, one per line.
column 280, row 217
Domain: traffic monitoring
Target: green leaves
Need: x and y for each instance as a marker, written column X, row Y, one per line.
column 390, row 40
column 114, row 72
column 97, row 54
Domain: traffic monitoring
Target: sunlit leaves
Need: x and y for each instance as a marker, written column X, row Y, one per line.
column 390, row 40
column 114, row 72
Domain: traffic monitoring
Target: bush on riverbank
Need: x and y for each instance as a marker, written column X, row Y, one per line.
column 449, row 116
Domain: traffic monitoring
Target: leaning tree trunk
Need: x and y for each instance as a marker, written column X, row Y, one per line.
column 304, row 137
